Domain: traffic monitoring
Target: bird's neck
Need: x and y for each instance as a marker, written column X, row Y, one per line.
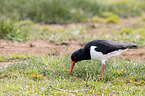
column 85, row 56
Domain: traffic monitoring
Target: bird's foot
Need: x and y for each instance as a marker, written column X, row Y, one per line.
column 99, row 76
column 97, row 79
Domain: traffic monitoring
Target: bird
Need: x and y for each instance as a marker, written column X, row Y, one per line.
column 99, row 50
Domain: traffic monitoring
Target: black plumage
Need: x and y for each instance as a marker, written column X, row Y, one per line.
column 106, row 47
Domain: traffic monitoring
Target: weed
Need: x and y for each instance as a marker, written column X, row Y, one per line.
column 113, row 19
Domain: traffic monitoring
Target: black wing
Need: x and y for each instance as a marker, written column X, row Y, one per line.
column 106, row 47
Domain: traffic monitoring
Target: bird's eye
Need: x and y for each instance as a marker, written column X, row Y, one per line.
column 75, row 57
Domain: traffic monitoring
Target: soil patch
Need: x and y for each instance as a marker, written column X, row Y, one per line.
column 63, row 48
column 38, row 47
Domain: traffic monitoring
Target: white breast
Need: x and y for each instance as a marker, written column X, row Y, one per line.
column 99, row 55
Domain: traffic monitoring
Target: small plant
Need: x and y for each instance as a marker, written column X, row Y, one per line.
column 113, row 19
column 97, row 19
column 110, row 17
column 14, row 30
column 36, row 77
column 125, row 31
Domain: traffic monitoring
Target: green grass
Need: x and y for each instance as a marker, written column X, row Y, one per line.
column 56, row 11
column 37, row 75
column 21, row 31
column 16, row 31
column 124, row 35
column 48, row 75
column 13, row 57
column 18, row 20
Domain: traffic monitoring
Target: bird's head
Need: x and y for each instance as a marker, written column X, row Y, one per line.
column 77, row 55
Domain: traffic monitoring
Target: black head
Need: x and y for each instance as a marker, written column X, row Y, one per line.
column 77, row 55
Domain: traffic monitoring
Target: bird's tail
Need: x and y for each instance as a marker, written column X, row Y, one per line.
column 132, row 46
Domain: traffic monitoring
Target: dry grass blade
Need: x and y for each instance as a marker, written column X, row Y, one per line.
column 68, row 90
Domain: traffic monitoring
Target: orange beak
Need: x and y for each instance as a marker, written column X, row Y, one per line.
column 72, row 66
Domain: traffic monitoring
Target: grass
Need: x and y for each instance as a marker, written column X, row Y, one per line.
column 22, row 21
column 18, row 24
column 37, row 76
column 16, row 31
column 125, row 35
column 21, row 31
column 27, row 30
column 72, row 11
column 13, row 57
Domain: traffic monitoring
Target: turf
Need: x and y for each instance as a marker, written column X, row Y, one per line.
column 48, row 75
column 22, row 21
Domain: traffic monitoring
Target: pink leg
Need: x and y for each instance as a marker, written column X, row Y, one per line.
column 103, row 68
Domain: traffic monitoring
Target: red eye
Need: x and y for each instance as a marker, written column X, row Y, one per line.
column 75, row 57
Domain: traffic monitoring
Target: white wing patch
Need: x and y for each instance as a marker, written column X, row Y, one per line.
column 99, row 55
column 96, row 55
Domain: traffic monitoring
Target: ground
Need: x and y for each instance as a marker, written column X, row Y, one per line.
column 46, row 47
column 64, row 48
column 44, row 74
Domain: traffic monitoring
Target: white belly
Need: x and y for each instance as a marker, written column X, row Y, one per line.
column 99, row 56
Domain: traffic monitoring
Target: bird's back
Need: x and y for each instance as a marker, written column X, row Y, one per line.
column 106, row 47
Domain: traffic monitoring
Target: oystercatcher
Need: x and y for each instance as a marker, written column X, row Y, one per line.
column 99, row 50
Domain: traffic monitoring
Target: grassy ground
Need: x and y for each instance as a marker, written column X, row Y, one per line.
column 48, row 75
column 21, row 31
column 28, row 74
column 56, row 11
